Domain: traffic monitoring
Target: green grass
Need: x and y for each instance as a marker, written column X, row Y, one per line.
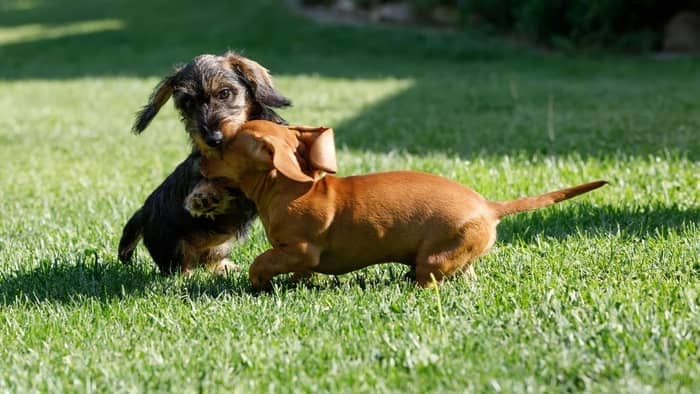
column 598, row 294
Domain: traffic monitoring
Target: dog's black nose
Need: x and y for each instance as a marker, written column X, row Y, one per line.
column 214, row 139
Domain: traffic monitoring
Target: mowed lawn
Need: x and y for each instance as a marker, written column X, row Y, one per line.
column 601, row 293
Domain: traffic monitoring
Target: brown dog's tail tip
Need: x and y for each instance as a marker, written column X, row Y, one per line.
column 592, row 185
column 570, row 192
column 504, row 208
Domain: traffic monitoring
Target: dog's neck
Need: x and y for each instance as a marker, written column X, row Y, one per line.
column 271, row 190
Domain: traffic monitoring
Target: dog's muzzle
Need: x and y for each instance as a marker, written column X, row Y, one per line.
column 214, row 139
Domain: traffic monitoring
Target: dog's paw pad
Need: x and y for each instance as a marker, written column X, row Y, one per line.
column 202, row 204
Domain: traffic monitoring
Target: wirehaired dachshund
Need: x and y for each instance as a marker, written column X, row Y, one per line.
column 189, row 221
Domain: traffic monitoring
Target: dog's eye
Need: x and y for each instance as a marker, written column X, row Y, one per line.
column 186, row 102
column 224, row 94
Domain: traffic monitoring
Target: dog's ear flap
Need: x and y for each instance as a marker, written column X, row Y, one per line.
column 259, row 80
column 320, row 145
column 284, row 160
column 160, row 95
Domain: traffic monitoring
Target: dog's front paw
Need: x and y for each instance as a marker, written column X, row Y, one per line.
column 224, row 267
column 207, row 204
column 258, row 279
column 302, row 276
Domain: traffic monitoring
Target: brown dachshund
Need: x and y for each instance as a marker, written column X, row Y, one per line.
column 334, row 225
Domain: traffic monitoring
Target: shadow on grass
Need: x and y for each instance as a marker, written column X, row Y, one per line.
column 376, row 276
column 583, row 218
column 468, row 96
column 81, row 276
column 73, row 277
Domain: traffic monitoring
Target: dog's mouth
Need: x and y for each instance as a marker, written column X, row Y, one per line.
column 211, row 140
column 207, row 143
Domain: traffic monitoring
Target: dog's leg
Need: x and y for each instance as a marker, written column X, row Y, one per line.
column 301, row 257
column 216, row 260
column 301, row 276
column 439, row 258
column 223, row 267
column 190, row 258
column 165, row 248
column 208, row 198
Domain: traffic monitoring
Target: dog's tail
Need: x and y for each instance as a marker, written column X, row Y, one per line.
column 131, row 235
column 504, row 208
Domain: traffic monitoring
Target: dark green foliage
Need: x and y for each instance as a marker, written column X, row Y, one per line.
column 616, row 24
column 317, row 2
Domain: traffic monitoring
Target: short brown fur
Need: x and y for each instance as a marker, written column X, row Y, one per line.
column 336, row 225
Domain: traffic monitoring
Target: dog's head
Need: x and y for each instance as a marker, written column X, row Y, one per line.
column 214, row 90
column 298, row 153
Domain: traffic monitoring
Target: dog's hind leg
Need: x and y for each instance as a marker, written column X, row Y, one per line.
column 438, row 259
column 216, row 259
column 167, row 252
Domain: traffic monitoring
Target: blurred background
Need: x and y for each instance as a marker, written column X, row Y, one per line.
column 626, row 25
column 461, row 77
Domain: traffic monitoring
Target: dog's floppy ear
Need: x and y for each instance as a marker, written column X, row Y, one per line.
column 320, row 145
column 160, row 95
column 259, row 80
column 284, row 160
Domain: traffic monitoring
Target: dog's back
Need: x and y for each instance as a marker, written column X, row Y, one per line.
column 390, row 214
column 396, row 216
